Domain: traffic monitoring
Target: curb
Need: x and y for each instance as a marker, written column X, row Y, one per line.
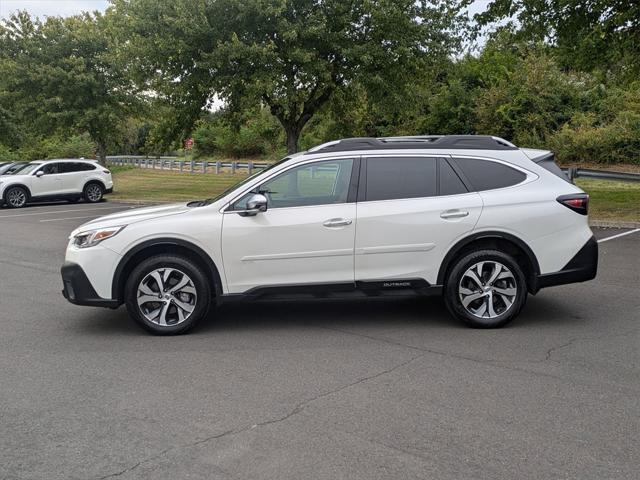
column 613, row 224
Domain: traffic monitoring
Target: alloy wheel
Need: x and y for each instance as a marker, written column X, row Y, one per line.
column 166, row 297
column 16, row 198
column 487, row 289
column 94, row 193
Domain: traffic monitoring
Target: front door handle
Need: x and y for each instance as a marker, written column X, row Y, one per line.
column 337, row 222
column 453, row 214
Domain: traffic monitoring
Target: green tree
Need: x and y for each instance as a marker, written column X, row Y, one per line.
column 292, row 55
column 594, row 35
column 57, row 76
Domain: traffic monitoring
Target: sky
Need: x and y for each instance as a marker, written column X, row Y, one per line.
column 43, row 8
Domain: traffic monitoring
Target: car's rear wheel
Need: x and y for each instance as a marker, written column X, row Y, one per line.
column 93, row 193
column 167, row 294
column 16, row 197
column 486, row 289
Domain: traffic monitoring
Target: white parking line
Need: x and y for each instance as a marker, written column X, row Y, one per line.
column 606, row 239
column 66, row 211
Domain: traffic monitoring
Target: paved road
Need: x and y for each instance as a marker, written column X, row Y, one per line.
column 340, row 390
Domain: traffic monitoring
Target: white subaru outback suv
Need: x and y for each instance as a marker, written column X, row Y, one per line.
column 55, row 180
column 473, row 218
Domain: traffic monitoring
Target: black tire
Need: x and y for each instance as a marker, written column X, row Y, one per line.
column 492, row 303
column 16, row 197
column 173, row 324
column 93, row 192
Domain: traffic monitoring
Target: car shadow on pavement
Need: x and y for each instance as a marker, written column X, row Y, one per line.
column 428, row 313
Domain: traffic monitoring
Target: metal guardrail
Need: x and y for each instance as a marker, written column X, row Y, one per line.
column 575, row 172
column 182, row 165
column 199, row 166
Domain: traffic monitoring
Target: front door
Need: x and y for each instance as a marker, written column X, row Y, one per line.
column 49, row 183
column 305, row 237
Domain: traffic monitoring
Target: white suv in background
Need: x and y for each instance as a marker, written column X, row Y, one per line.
column 474, row 218
column 56, row 180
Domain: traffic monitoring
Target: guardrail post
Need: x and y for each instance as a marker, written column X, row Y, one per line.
column 180, row 165
column 234, row 166
column 573, row 173
column 217, row 167
column 170, row 164
column 192, row 165
column 250, row 165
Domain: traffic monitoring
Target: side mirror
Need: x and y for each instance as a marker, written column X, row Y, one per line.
column 39, row 174
column 256, row 204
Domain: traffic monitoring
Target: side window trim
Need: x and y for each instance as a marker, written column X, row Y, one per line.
column 458, row 171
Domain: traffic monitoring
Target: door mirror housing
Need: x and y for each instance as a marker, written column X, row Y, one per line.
column 39, row 173
column 257, row 203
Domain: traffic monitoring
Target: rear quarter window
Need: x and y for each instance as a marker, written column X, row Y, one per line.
column 488, row 175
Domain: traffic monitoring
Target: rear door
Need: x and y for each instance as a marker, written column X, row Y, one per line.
column 74, row 175
column 411, row 209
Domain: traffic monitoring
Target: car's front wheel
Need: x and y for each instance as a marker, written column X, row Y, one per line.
column 167, row 294
column 485, row 289
column 16, row 197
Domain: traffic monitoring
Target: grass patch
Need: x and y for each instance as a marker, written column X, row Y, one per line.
column 612, row 200
column 131, row 183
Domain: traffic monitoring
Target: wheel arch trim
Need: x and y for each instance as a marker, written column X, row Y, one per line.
column 13, row 185
column 117, row 285
column 94, row 180
column 457, row 248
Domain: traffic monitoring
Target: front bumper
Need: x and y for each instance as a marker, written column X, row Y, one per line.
column 78, row 289
column 581, row 268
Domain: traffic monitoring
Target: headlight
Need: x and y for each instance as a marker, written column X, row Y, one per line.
column 90, row 238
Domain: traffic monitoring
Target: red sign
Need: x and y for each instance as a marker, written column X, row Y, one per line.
column 188, row 143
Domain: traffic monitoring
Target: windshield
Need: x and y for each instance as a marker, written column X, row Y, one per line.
column 244, row 181
column 23, row 168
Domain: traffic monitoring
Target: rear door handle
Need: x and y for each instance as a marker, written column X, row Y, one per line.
column 453, row 214
column 337, row 222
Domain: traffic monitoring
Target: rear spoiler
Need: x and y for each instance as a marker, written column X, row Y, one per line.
column 546, row 160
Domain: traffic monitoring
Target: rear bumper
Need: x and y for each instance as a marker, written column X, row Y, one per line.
column 78, row 289
column 581, row 268
column 108, row 190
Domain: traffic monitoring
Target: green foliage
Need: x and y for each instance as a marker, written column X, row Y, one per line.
column 59, row 146
column 293, row 55
column 57, row 76
column 302, row 72
column 257, row 134
column 598, row 36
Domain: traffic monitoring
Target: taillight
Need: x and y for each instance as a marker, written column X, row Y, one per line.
column 578, row 202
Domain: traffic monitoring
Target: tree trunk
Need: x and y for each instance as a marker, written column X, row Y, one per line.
column 293, row 135
column 102, row 154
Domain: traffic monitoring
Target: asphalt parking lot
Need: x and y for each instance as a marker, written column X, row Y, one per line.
column 314, row 390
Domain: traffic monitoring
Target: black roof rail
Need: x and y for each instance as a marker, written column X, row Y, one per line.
column 462, row 142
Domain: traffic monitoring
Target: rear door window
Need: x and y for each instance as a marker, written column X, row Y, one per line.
column 488, row 175
column 389, row 178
